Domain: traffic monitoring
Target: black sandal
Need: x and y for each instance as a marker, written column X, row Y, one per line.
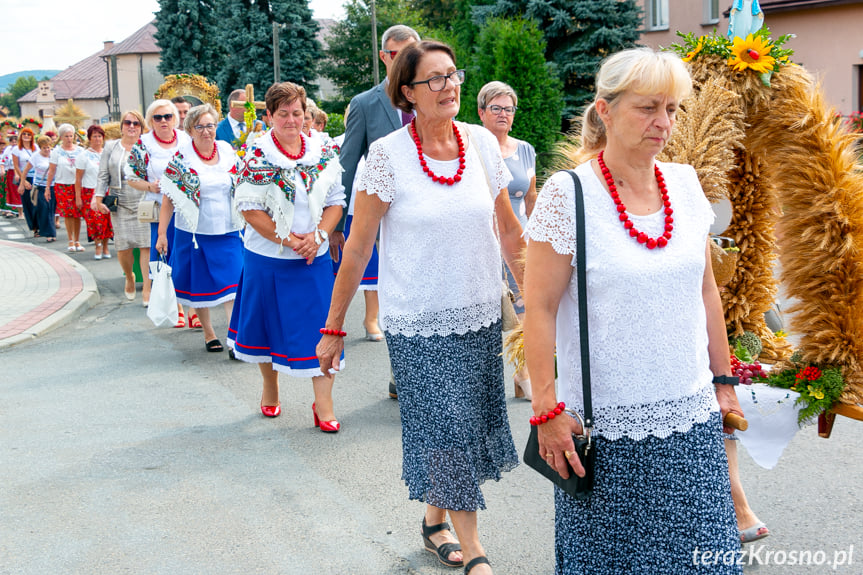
column 444, row 549
column 214, row 345
column 474, row 562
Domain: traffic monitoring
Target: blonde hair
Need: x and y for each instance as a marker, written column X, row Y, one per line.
column 638, row 70
column 151, row 109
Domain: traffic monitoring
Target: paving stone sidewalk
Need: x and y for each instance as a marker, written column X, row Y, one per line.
column 40, row 288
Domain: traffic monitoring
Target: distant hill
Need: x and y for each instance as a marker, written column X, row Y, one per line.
column 9, row 79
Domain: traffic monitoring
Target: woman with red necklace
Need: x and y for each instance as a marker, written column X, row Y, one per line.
column 288, row 190
column 147, row 163
column 206, row 245
column 659, row 356
column 438, row 190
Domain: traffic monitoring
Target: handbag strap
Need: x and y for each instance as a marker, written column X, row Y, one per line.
column 580, row 240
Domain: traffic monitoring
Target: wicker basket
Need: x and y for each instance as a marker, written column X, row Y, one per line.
column 724, row 263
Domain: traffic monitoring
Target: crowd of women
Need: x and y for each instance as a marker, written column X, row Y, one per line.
column 446, row 202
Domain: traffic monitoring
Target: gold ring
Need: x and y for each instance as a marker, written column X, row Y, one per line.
column 567, row 454
column 549, row 455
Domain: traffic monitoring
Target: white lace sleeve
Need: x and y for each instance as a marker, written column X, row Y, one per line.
column 248, row 206
column 378, row 177
column 553, row 217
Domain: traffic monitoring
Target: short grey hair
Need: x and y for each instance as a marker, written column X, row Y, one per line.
column 492, row 90
column 235, row 95
column 398, row 33
column 65, row 128
column 195, row 114
column 151, row 109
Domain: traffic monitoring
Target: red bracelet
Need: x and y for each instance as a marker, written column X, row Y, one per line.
column 337, row 332
column 534, row 420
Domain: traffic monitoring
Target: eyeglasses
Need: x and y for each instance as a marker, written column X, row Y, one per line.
column 209, row 127
column 160, row 117
column 135, row 123
column 392, row 53
column 498, row 110
column 438, row 83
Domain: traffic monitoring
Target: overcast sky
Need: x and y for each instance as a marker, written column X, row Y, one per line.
column 78, row 28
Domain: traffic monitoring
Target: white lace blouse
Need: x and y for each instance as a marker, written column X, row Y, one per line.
column 440, row 264
column 650, row 369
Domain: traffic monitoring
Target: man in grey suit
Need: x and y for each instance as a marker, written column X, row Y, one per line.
column 371, row 116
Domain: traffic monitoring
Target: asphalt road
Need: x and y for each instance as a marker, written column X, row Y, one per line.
column 126, row 448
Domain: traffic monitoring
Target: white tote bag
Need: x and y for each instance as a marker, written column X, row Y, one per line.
column 163, row 298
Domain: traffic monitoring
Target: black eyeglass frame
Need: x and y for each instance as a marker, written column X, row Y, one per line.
column 508, row 110
column 459, row 74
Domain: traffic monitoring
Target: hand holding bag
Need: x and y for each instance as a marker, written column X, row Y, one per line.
column 163, row 298
column 585, row 445
column 110, row 202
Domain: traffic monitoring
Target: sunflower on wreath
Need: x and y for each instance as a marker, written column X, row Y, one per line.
column 757, row 52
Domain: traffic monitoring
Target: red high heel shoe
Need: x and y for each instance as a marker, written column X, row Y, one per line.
column 271, row 410
column 326, row 426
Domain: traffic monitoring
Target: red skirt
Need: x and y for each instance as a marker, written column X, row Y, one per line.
column 13, row 198
column 65, row 194
column 98, row 224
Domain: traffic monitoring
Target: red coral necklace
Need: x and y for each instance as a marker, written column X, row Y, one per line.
column 161, row 141
column 641, row 237
column 202, row 156
column 285, row 152
column 439, row 179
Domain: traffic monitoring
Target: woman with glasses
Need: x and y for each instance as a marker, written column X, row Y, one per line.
column 497, row 103
column 147, row 163
column 206, row 245
column 434, row 188
column 129, row 233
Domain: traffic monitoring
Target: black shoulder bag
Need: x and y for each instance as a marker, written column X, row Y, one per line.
column 585, row 446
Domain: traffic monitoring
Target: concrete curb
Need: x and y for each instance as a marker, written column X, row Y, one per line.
column 84, row 300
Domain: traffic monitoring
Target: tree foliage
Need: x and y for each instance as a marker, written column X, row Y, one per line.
column 231, row 41
column 185, row 33
column 512, row 51
column 579, row 34
column 349, row 62
column 21, row 86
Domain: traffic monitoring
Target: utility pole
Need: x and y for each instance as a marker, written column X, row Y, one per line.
column 377, row 76
column 276, row 67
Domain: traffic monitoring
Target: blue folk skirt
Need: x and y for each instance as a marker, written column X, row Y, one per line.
column 154, row 237
column 207, row 275
column 657, row 506
column 370, row 275
column 280, row 307
column 455, row 430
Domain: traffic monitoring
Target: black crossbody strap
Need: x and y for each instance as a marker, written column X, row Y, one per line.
column 580, row 241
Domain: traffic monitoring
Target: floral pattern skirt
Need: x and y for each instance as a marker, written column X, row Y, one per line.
column 455, row 430
column 657, row 507
column 66, row 208
column 98, row 224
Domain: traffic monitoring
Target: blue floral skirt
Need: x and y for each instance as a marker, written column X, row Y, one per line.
column 658, row 505
column 455, row 430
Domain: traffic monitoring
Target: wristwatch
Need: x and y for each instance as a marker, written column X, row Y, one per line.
column 321, row 236
column 726, row 379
